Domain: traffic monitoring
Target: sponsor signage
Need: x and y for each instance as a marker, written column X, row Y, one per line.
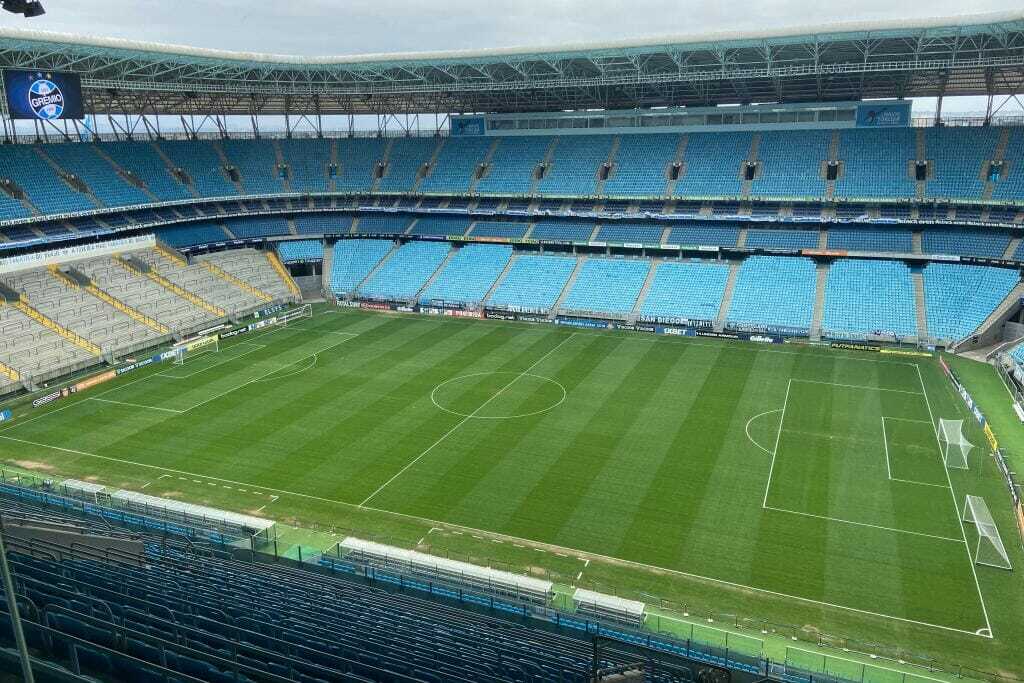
column 587, row 323
column 374, row 306
column 234, row 333
column 855, row 346
column 94, row 380
column 48, row 398
column 5, row 415
column 43, row 95
column 883, row 115
column 139, row 364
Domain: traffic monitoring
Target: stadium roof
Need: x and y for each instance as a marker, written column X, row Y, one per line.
column 967, row 55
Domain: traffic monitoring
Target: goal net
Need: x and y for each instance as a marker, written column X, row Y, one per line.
column 304, row 311
column 196, row 347
column 990, row 550
column 955, row 445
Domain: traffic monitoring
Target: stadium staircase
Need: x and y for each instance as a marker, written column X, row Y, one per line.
column 549, row 155
column 225, row 161
column 833, row 155
column 431, row 163
column 126, row 175
column 670, row 185
column 76, row 339
column 282, row 272
column 386, row 160
column 819, row 302
column 500, row 279
column 752, row 158
column 990, row 331
column 568, row 287
column 75, row 183
column 486, row 163
column 916, row 238
column 75, row 279
column 1011, row 248
column 998, row 155
column 235, row 281
column 292, row 230
column 610, row 160
column 327, row 268
column 634, row 314
column 279, row 161
column 143, row 270
column 921, row 187
column 433, row 276
column 730, row 285
column 823, row 238
column 181, row 176
column 917, row 275
column 741, row 238
column 373, row 271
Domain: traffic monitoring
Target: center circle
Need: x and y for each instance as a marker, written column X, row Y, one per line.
column 479, row 395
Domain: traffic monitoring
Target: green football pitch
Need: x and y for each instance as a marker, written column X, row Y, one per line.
column 786, row 485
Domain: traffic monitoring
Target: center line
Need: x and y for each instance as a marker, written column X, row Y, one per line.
column 466, row 419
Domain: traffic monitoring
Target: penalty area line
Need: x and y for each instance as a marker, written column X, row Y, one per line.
column 465, row 529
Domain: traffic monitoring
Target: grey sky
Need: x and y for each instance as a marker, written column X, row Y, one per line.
column 318, row 27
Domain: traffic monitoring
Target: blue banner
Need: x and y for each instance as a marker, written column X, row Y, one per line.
column 45, row 95
column 468, row 125
column 5, row 415
column 888, row 115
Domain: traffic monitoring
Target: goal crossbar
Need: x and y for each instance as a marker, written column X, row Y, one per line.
column 196, row 347
column 304, row 311
column 989, row 550
column 955, row 446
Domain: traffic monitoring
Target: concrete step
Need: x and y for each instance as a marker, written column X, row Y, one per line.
column 440, row 269
column 638, row 306
column 919, row 304
column 819, row 302
column 325, row 274
column 730, row 285
column 373, row 271
column 501, row 278
column 568, row 287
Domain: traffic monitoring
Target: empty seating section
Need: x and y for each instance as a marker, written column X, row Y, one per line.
column 440, row 226
column 1011, row 188
column 574, row 231
column 300, row 250
column 607, row 285
column 574, row 167
column 687, row 291
column 499, row 229
column 876, row 163
column 256, row 163
column 712, row 164
column 958, row 297
column 468, row 275
column 357, row 159
column 869, row 297
column 33, row 350
column 791, row 163
column 323, row 223
column 456, row 165
column 705, row 234
column 782, row 239
column 353, row 260
column 513, row 164
column 383, row 225
column 192, row 234
column 405, row 162
column 630, row 232
column 9, row 206
column 891, row 239
column 406, row 271
column 253, row 267
column 958, row 155
column 786, row 283
column 533, row 283
column 251, row 228
column 202, row 164
column 964, row 242
column 198, row 280
column 39, row 181
column 308, row 160
column 142, row 160
column 641, row 165
column 83, row 161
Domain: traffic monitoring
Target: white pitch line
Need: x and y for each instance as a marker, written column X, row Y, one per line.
column 775, row 451
column 913, row 674
column 466, row 419
column 458, row 529
column 747, row 429
column 919, row 483
column 956, row 507
column 858, row 386
column 134, row 405
column 885, row 442
column 865, row 524
column 256, row 347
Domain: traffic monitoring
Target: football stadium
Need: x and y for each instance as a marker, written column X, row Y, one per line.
column 689, row 359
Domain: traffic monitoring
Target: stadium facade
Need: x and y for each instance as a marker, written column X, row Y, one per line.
column 771, row 187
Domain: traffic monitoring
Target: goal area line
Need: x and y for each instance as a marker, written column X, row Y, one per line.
column 546, row 547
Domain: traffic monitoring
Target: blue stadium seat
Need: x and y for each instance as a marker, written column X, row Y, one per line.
column 575, row 164
column 690, row 291
column 876, row 163
column 143, row 161
column 406, row 271
column 255, row 227
column 200, row 161
column 456, row 163
column 383, row 225
column 630, row 232
column 774, row 292
column 323, row 223
column 957, row 155
column 712, row 164
column 869, row 297
column 533, row 283
column 782, row 239
column 440, row 226
column 712, row 234
column 607, row 285
column 468, row 275
column 891, row 239
column 357, row 159
column 958, row 297
column 301, row 250
column 353, row 260
column 256, row 162
column 192, row 234
column 308, row 160
column 513, row 164
column 45, row 189
column 499, row 229
column 405, row 160
column 791, row 164
column 964, row 242
column 83, row 161
column 570, row 231
column 641, row 165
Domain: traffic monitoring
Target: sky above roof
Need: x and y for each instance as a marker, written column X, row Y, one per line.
column 340, row 27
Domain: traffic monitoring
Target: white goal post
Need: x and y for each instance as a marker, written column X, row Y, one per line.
column 196, row 347
column 990, row 550
column 304, row 311
column 955, row 445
